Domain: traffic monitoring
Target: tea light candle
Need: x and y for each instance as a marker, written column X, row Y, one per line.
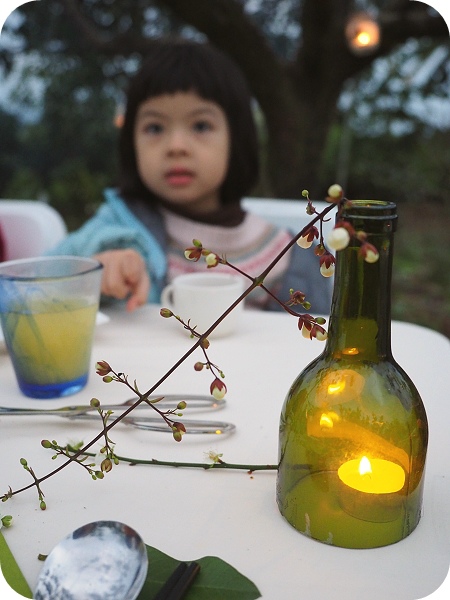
column 374, row 476
column 369, row 489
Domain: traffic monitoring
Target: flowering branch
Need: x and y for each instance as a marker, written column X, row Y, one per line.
column 311, row 327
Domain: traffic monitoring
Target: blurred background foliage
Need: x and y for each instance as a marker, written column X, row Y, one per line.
column 378, row 121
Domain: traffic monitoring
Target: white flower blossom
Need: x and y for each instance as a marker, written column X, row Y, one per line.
column 321, row 336
column 306, row 333
column 335, row 191
column 326, row 271
column 303, row 242
column 371, row 256
column 338, row 238
column 211, row 259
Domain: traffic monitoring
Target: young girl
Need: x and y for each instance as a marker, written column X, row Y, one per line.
column 188, row 154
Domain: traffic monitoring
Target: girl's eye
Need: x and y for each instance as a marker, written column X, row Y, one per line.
column 152, row 128
column 201, row 126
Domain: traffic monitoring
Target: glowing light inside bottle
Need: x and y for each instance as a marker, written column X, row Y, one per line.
column 372, row 476
column 364, row 467
column 350, row 351
column 326, row 421
column 337, row 387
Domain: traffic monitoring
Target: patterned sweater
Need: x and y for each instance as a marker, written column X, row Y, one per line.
column 162, row 236
column 250, row 246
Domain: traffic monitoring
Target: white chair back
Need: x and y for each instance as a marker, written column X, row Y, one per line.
column 288, row 214
column 30, row 227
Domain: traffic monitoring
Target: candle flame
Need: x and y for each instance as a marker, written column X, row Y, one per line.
column 365, row 468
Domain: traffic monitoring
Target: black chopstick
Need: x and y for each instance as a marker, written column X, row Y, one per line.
column 179, row 582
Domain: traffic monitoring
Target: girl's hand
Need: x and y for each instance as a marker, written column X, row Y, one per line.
column 125, row 276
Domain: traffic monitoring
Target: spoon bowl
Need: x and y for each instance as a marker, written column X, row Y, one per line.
column 103, row 560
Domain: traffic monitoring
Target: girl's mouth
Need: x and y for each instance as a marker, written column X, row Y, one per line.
column 179, row 177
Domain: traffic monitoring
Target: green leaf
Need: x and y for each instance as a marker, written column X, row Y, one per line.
column 11, row 570
column 217, row 579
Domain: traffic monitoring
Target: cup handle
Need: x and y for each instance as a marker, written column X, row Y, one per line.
column 166, row 296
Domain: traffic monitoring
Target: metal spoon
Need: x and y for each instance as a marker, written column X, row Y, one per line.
column 103, row 560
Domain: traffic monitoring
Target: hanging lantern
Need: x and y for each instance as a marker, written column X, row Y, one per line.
column 362, row 33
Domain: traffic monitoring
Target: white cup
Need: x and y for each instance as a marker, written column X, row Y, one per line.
column 202, row 297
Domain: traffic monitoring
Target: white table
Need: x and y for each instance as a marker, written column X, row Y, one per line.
column 229, row 514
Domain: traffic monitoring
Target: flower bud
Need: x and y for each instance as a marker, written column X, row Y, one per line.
column 94, row 403
column 198, row 366
column 308, row 237
column 46, row 444
column 193, row 253
column 303, row 242
column 181, row 405
column 107, row 379
column 338, row 238
column 371, row 257
column 102, row 368
column 166, row 313
column 297, row 297
column 369, row 253
column 178, row 429
column 6, row 521
column 326, row 271
column 321, row 335
column 327, row 262
column 179, row 426
column 218, row 389
column 106, row 465
column 310, row 210
column 306, row 332
column 212, row 260
column 335, row 191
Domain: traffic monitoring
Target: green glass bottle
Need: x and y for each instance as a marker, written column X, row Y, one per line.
column 353, row 428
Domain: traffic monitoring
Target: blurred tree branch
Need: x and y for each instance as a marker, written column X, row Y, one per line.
column 297, row 94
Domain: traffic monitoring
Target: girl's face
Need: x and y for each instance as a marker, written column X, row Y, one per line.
column 182, row 145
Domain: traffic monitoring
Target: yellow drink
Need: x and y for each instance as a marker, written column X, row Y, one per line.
column 50, row 345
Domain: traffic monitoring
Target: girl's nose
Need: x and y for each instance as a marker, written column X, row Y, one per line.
column 178, row 142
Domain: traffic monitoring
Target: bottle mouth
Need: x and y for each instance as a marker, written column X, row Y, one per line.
column 372, row 216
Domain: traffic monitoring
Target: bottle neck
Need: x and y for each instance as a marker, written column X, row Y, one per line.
column 360, row 321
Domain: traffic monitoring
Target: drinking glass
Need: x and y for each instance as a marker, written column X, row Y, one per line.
column 48, row 307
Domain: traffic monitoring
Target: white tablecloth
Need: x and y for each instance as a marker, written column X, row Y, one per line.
column 191, row 513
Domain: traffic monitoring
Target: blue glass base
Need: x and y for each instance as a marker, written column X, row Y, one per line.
column 53, row 390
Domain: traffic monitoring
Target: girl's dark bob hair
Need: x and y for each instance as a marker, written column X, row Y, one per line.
column 179, row 65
